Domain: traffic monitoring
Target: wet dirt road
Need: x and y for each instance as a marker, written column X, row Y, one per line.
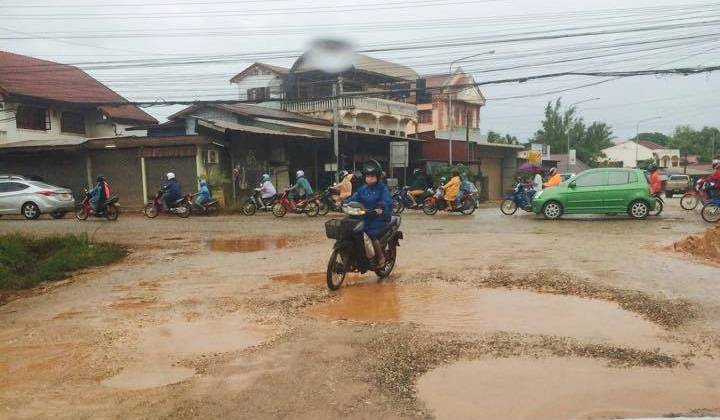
column 229, row 317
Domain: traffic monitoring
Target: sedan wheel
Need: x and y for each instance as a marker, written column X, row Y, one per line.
column 552, row 210
column 639, row 210
column 31, row 211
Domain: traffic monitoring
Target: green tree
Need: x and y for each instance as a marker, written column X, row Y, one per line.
column 495, row 137
column 658, row 138
column 704, row 143
column 559, row 125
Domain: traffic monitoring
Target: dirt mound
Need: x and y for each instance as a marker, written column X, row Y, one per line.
column 705, row 246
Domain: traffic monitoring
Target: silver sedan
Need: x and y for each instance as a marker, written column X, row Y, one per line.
column 19, row 195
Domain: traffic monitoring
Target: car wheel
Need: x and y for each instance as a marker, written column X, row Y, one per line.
column 638, row 209
column 30, row 210
column 57, row 214
column 552, row 210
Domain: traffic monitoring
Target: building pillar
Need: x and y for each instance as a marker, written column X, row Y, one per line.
column 377, row 123
column 143, row 175
column 198, row 164
column 397, row 130
column 88, row 170
column 354, row 121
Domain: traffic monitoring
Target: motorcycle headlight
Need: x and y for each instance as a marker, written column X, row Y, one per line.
column 353, row 211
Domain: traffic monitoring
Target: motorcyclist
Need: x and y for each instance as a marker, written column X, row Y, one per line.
column 302, row 186
column 537, row 181
column 452, row 188
column 266, row 188
column 344, row 188
column 376, row 198
column 418, row 186
column 99, row 194
column 203, row 194
column 172, row 189
column 655, row 181
column 554, row 178
column 714, row 179
column 466, row 187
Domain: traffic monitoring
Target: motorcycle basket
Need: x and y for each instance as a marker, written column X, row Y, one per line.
column 340, row 228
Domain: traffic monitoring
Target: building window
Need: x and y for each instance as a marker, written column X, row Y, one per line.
column 32, row 118
column 72, row 122
column 425, row 117
column 257, row 94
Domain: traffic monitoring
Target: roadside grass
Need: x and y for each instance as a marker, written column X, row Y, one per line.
column 26, row 261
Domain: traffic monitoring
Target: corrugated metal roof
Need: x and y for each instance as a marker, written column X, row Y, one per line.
column 44, row 143
column 225, row 125
column 252, row 111
column 365, row 63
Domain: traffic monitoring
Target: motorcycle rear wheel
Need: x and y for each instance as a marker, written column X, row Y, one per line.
column 212, row 209
column 468, row 206
column 184, row 211
column 508, row 207
column 689, row 201
column 278, row 210
column 151, row 211
column 312, row 209
column 429, row 208
column 336, row 270
column 390, row 258
column 658, row 208
column 249, row 208
column 323, row 208
column 112, row 212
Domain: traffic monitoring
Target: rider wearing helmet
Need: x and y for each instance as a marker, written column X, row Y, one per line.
column 266, row 188
column 714, row 178
column 655, row 181
column 452, row 188
column 377, row 200
column 99, row 194
column 172, row 189
column 302, row 185
column 203, row 194
column 554, row 178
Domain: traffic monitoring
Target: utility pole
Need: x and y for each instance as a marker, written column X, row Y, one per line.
column 336, row 143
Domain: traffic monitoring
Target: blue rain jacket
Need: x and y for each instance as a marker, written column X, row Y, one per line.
column 302, row 186
column 173, row 192
column 377, row 196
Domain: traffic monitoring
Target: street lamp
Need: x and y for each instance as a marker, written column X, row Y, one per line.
column 450, row 116
column 567, row 168
column 637, row 136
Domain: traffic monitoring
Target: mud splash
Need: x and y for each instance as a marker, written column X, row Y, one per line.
column 247, row 244
column 482, row 311
column 706, row 246
column 557, row 388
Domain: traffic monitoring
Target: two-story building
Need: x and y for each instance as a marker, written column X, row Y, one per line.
column 261, row 82
column 630, row 153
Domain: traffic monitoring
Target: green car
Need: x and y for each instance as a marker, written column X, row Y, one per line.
column 598, row 191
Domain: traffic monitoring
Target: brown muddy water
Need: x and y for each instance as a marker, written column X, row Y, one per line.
column 472, row 310
column 161, row 347
column 247, row 244
column 312, row 278
column 557, row 388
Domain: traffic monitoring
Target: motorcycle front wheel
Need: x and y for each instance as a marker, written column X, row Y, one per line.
column 151, row 211
column 468, row 206
column 80, row 213
column 689, row 201
column 336, row 270
column 397, row 206
column 390, row 258
column 111, row 212
column 508, row 207
column 323, row 208
column 710, row 213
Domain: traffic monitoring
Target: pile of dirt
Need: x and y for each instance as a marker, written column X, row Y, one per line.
column 706, row 246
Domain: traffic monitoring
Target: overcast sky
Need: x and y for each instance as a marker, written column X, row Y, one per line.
column 227, row 35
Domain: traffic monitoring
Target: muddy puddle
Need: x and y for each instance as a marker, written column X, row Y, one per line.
column 247, row 244
column 473, row 310
column 312, row 278
column 161, row 347
column 557, row 388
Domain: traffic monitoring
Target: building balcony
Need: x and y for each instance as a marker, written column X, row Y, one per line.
column 373, row 115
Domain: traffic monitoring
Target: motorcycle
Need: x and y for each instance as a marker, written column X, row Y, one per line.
column 255, row 202
column 691, row 199
column 353, row 250
column 711, row 211
column 284, row 204
column 521, row 197
column 327, row 203
column 85, row 210
column 436, row 203
column 208, row 208
column 181, row 207
column 402, row 200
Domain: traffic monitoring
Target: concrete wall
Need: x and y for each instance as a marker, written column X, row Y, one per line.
column 122, row 170
column 93, row 126
column 61, row 168
column 183, row 167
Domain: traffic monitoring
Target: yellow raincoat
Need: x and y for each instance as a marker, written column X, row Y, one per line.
column 452, row 188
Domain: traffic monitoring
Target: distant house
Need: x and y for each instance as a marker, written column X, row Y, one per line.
column 261, row 82
column 560, row 161
column 45, row 101
column 630, row 153
column 433, row 108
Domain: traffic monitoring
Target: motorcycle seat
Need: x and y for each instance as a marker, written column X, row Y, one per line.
column 178, row 201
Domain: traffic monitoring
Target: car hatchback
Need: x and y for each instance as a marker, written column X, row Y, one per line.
column 598, row 191
column 32, row 198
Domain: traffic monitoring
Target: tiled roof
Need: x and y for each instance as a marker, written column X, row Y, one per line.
column 281, row 71
column 650, row 145
column 23, row 76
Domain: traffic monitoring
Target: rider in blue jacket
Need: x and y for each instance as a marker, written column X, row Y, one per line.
column 173, row 192
column 377, row 200
column 203, row 194
column 302, row 186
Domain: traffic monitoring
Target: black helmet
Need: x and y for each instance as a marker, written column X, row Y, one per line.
column 652, row 167
column 100, row 178
column 372, row 168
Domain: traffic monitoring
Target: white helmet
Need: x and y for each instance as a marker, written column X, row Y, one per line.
column 170, row 175
column 299, row 173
